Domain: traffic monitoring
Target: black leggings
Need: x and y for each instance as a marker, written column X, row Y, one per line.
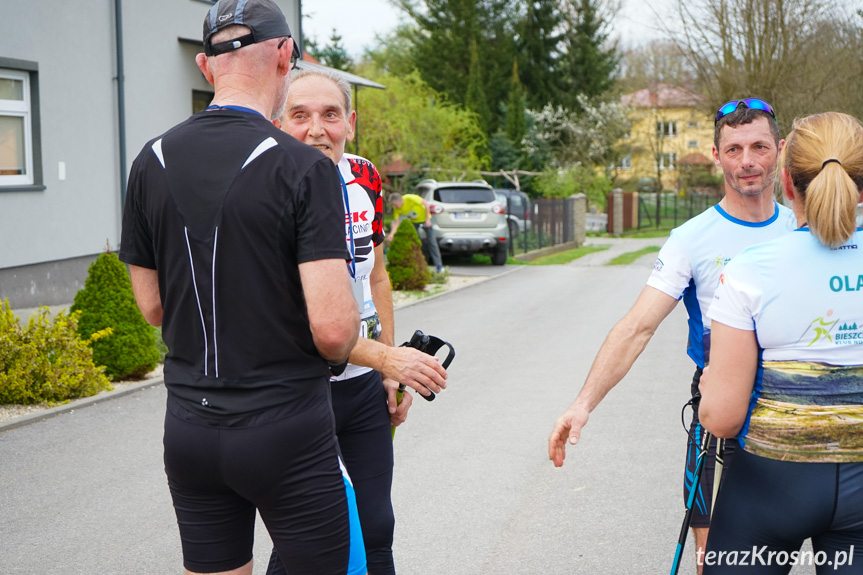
column 365, row 439
column 282, row 461
column 766, row 509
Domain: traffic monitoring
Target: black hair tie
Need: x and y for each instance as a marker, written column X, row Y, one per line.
column 830, row 160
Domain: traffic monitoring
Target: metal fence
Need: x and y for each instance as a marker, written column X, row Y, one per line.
column 551, row 223
column 673, row 209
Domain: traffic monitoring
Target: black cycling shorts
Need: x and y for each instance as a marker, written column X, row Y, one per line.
column 283, row 462
column 365, row 439
column 767, row 508
column 704, row 493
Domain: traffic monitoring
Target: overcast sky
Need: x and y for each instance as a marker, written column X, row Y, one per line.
column 357, row 21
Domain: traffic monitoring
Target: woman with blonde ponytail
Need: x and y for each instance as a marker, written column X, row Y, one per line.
column 786, row 371
column 824, row 165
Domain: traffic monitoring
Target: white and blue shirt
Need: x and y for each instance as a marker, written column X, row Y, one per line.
column 695, row 255
column 804, row 301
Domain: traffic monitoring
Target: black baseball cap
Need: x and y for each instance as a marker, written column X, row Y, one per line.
column 263, row 17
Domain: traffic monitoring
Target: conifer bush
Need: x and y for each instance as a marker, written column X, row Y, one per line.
column 406, row 264
column 46, row 361
column 107, row 301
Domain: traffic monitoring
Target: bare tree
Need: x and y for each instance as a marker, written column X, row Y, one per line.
column 800, row 55
column 654, row 63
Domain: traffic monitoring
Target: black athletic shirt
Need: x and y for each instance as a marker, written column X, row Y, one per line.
column 225, row 206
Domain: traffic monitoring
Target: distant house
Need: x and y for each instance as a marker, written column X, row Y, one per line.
column 670, row 130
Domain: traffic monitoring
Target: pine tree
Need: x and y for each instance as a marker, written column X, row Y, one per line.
column 515, row 123
column 591, row 63
column 335, row 55
column 107, row 301
column 442, row 47
column 476, row 99
column 540, row 49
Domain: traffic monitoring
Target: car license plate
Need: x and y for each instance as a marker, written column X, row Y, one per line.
column 466, row 215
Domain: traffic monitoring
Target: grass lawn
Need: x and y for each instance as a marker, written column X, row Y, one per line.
column 629, row 257
column 561, row 257
column 636, row 234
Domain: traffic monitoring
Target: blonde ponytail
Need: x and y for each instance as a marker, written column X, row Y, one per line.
column 824, row 155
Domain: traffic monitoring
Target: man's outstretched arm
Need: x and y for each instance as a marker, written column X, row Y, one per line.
column 624, row 343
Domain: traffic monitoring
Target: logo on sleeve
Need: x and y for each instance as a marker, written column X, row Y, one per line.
column 658, row 265
column 721, row 261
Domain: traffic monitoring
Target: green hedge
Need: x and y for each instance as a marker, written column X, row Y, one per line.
column 406, row 264
column 45, row 361
column 107, row 301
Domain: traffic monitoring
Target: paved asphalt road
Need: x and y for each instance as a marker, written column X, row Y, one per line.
column 84, row 492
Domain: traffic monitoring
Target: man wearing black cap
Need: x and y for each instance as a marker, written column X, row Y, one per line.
column 234, row 235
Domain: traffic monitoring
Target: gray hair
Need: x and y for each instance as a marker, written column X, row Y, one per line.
column 339, row 80
column 394, row 197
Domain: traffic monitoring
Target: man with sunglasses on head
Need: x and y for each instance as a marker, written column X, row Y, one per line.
column 234, row 234
column 746, row 148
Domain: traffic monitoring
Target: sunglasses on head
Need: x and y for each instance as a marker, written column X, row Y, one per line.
column 751, row 103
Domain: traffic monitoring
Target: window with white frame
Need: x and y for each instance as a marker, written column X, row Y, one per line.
column 693, row 143
column 666, row 129
column 667, row 161
column 692, row 125
column 16, row 132
column 624, row 163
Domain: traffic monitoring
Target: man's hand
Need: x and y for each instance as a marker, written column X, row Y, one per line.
column 567, row 427
column 398, row 411
column 414, row 369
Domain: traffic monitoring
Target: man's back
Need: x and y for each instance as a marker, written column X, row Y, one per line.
column 231, row 218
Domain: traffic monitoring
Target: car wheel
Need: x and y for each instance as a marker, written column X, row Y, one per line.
column 499, row 255
column 513, row 230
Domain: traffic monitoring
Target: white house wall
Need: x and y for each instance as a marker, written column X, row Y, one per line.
column 75, row 47
column 72, row 43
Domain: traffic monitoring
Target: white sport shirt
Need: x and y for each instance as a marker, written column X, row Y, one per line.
column 693, row 258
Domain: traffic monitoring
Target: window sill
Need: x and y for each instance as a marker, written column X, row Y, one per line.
column 32, row 188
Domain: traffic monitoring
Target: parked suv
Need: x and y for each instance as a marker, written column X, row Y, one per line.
column 467, row 217
column 517, row 208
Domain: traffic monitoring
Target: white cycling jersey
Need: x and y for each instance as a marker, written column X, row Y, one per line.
column 693, row 258
column 805, row 303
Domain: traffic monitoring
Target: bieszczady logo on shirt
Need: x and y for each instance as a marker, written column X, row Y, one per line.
column 849, row 334
column 837, row 332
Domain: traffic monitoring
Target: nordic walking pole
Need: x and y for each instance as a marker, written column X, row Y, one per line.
column 700, row 460
column 427, row 344
column 717, row 472
column 690, row 501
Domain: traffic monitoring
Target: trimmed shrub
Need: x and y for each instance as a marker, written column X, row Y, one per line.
column 406, row 264
column 46, row 361
column 107, row 301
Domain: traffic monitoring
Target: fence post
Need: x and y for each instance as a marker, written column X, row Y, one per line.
column 615, row 227
column 675, row 210
column 553, row 227
column 579, row 218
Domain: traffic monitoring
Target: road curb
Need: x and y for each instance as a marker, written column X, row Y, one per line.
column 459, row 288
column 44, row 414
